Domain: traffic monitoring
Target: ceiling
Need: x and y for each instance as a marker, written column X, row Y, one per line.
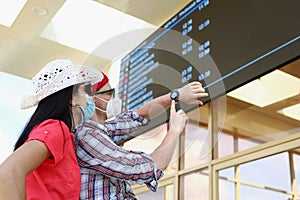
column 24, row 51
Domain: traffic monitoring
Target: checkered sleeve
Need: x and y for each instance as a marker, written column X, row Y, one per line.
column 124, row 125
column 100, row 155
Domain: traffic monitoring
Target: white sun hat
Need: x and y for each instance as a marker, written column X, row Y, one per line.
column 57, row 75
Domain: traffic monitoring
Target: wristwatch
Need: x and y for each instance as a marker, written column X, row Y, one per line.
column 174, row 95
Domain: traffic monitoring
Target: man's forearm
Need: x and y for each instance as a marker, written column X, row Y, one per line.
column 155, row 107
column 162, row 155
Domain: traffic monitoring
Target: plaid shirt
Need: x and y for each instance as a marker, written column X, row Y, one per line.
column 106, row 168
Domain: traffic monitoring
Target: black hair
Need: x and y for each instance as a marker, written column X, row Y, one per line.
column 56, row 106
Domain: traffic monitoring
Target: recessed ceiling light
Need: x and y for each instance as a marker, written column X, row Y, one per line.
column 269, row 89
column 9, row 11
column 39, row 10
column 291, row 111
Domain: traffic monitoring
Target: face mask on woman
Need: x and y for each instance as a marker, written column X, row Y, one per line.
column 89, row 110
column 113, row 108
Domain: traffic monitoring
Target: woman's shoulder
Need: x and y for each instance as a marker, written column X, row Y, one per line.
column 52, row 124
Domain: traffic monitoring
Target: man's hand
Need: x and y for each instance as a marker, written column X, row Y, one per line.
column 190, row 93
column 178, row 119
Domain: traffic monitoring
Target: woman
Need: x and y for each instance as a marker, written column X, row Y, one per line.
column 43, row 165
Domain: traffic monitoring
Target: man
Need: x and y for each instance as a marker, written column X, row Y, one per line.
column 106, row 168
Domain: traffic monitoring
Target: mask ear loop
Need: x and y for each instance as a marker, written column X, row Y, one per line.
column 82, row 114
column 105, row 111
column 80, row 108
column 101, row 99
column 81, row 111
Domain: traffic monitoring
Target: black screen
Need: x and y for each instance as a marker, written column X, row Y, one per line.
column 222, row 44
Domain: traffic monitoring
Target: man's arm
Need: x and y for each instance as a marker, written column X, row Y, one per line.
column 111, row 160
column 188, row 94
column 163, row 153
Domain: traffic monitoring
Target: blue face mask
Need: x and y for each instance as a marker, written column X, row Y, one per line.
column 88, row 111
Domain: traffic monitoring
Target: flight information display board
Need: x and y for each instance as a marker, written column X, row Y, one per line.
column 222, row 44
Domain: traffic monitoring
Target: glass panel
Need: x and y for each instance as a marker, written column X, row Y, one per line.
column 169, row 192
column 296, row 159
column 244, row 144
column 250, row 193
column 194, row 186
column 10, row 108
column 225, row 145
column 195, row 146
column 158, row 195
column 147, row 142
column 226, row 190
column 271, row 171
column 227, row 173
column 251, row 117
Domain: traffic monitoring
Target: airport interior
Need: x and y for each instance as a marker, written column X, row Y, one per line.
column 244, row 142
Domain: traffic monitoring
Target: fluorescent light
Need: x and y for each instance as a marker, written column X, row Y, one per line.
column 291, row 111
column 269, row 89
column 86, row 24
column 9, row 10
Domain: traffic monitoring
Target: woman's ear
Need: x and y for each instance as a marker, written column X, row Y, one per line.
column 71, row 102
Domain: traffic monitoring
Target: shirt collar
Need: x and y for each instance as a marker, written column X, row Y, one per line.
column 95, row 125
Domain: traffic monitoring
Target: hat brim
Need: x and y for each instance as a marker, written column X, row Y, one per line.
column 71, row 76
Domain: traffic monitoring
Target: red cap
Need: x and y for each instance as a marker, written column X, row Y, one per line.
column 96, row 87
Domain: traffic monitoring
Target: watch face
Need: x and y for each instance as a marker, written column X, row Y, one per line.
column 174, row 95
